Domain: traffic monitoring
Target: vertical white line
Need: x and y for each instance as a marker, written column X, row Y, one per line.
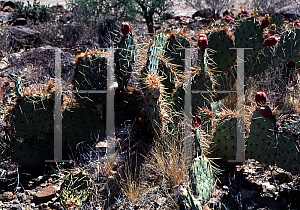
column 240, row 155
column 57, row 109
column 110, row 112
column 188, row 107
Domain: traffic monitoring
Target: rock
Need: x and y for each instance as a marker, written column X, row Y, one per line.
column 20, row 22
column 24, row 36
column 167, row 16
column 178, row 16
column 5, row 17
column 45, row 195
column 7, row 9
column 282, row 177
column 21, row 197
column 9, row 4
column 204, row 13
column 7, row 196
column 16, row 207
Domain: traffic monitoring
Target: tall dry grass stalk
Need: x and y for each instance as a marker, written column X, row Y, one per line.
column 166, row 160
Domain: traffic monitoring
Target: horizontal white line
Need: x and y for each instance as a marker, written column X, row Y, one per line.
column 214, row 91
column 88, row 91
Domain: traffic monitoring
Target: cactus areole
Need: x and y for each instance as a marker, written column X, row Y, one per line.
column 202, row 42
column 260, row 98
column 125, row 28
column 270, row 41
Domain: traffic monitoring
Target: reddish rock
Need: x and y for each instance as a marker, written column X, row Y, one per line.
column 45, row 195
column 7, row 196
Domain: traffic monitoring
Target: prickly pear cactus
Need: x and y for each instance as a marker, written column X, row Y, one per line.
column 156, row 49
column 90, row 73
column 32, row 116
column 288, row 153
column 278, row 21
column 82, row 126
column 289, row 45
column 262, row 144
column 125, row 59
column 153, row 92
column 76, row 189
column 174, row 49
column 18, row 88
column 224, row 141
column 249, row 35
column 34, row 151
column 201, row 184
column 223, row 57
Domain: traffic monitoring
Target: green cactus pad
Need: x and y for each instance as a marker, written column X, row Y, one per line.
column 201, row 184
column 76, row 189
column 289, row 45
column 90, row 73
column 33, row 116
column 173, row 50
column 288, row 153
column 261, row 144
column 224, row 141
column 249, row 35
column 125, row 59
column 33, row 152
column 260, row 62
column 18, row 88
column 223, row 57
column 153, row 92
column 82, row 126
column 202, row 179
column 278, row 21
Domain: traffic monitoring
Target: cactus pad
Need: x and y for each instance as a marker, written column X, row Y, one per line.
column 261, row 142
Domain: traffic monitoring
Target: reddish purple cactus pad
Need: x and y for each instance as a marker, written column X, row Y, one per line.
column 202, row 41
column 266, row 112
column 245, row 12
column 270, row 41
column 261, row 98
column 265, row 22
column 125, row 28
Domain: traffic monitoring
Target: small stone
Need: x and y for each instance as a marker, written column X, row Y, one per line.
column 7, row 196
column 16, row 207
column 21, row 197
column 45, row 195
